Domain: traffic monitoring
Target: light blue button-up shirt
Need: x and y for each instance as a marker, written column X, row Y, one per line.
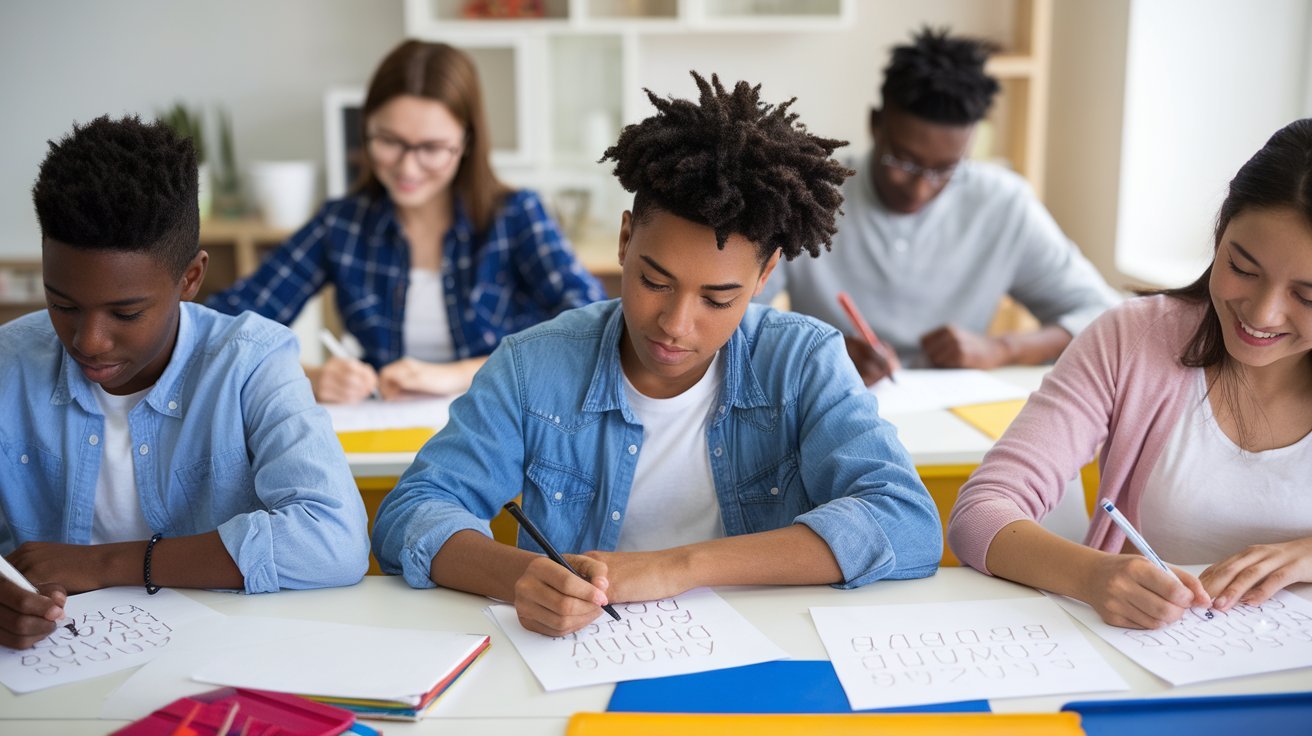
column 795, row 438
column 229, row 438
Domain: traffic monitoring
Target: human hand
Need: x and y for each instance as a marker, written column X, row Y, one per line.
column 551, row 600
column 410, row 376
column 867, row 360
column 952, row 347
column 1256, row 573
column 1131, row 592
column 645, row 576
column 343, row 381
column 25, row 617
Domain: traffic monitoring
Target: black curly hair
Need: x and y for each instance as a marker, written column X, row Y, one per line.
column 941, row 78
column 121, row 185
column 734, row 164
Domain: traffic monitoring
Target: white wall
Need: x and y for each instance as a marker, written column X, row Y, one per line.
column 1207, row 82
column 268, row 62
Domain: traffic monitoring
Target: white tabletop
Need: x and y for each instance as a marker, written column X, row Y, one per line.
column 933, row 438
column 499, row 695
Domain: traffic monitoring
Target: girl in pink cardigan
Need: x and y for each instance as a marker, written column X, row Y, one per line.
column 1201, row 400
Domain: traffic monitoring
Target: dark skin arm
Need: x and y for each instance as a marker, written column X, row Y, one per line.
column 952, row 347
column 199, row 561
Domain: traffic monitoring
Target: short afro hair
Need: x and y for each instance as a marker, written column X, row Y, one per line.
column 734, row 164
column 121, row 185
column 941, row 78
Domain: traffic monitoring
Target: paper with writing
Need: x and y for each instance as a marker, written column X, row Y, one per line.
column 913, row 654
column 692, row 632
column 397, row 414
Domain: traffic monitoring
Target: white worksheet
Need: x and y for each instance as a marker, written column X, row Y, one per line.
column 931, row 389
column 693, row 632
column 1245, row 640
column 914, row 654
column 376, row 414
column 117, row 628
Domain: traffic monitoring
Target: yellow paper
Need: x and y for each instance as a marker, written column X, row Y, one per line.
column 991, row 419
column 891, row 724
column 385, row 440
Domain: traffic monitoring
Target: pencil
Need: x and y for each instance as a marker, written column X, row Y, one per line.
column 867, row 334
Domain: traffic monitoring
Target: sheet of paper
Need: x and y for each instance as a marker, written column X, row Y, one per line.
column 398, row 414
column 117, row 628
column 1245, row 640
column 693, row 632
column 932, row 389
column 914, row 654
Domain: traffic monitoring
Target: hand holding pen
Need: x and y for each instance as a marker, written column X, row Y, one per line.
column 884, row 358
column 1125, row 596
column 541, row 539
column 346, row 380
column 32, row 614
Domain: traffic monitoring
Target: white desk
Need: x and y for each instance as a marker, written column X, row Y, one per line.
column 500, row 696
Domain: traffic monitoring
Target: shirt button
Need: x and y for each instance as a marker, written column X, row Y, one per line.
column 718, row 451
column 173, row 404
column 721, row 408
column 23, row 459
column 143, row 449
column 94, row 440
column 633, row 449
column 614, row 516
column 558, row 495
column 774, row 491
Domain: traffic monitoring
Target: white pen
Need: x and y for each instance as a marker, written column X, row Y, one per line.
column 16, row 577
column 339, row 350
column 1137, row 539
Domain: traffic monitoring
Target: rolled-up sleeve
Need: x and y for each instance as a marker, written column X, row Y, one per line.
column 460, row 478
column 312, row 531
column 871, row 507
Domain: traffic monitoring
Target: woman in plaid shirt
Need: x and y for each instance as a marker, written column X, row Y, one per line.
column 434, row 260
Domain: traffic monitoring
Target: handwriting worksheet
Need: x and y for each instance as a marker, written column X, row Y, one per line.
column 693, row 632
column 913, row 654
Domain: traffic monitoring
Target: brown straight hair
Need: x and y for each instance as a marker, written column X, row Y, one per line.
column 441, row 72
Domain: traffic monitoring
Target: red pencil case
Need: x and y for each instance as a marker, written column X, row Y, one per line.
column 259, row 713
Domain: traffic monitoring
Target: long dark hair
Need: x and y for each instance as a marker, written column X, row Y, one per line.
column 1278, row 176
column 440, row 72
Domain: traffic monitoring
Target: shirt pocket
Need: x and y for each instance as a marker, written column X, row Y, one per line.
column 559, row 485
column 35, row 493
column 771, row 497
column 221, row 484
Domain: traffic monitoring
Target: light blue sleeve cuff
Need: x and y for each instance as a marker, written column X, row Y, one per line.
column 249, row 541
column 859, row 544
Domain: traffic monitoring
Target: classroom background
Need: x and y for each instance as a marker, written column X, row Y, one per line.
column 1128, row 116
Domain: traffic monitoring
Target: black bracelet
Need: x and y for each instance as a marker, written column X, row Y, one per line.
column 151, row 588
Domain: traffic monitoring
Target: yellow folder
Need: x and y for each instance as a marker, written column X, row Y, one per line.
column 883, row 724
column 991, row 419
column 385, row 440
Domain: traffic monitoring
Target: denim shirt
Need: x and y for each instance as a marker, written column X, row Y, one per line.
column 520, row 272
column 228, row 438
column 795, row 438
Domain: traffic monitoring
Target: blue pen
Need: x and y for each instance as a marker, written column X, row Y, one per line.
column 1137, row 539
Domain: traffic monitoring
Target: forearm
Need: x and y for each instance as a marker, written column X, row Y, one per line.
column 199, row 561
column 1034, row 347
column 794, row 555
column 1028, row 554
column 474, row 563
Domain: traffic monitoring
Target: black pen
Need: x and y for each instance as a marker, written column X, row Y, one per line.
column 532, row 530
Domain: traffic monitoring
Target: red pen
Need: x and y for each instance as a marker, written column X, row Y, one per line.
column 867, row 334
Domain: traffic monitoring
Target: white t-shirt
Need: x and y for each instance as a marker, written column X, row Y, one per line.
column 1207, row 498
column 426, row 331
column 117, row 515
column 672, row 501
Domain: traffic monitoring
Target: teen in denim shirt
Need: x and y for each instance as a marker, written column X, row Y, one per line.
column 145, row 439
column 710, row 441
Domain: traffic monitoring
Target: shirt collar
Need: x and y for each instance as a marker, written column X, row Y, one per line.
column 165, row 396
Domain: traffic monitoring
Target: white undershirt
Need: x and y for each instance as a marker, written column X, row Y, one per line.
column 117, row 515
column 1207, row 498
column 672, row 501
column 426, row 331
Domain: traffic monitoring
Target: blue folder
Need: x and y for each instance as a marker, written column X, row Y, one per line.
column 1225, row 715
column 785, row 686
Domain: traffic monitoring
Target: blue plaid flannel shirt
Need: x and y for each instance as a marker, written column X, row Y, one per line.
column 520, row 273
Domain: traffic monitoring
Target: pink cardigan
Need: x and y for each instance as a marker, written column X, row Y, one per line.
column 1120, row 384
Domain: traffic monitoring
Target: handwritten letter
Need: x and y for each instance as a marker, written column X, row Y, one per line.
column 694, row 632
column 914, row 654
column 117, row 628
column 1245, row 640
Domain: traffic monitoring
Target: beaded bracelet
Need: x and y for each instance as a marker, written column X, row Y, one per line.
column 151, row 588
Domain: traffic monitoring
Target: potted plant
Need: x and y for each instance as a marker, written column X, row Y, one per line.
column 188, row 123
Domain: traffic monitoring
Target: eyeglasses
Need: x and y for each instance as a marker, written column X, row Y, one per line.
column 386, row 150
column 935, row 177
